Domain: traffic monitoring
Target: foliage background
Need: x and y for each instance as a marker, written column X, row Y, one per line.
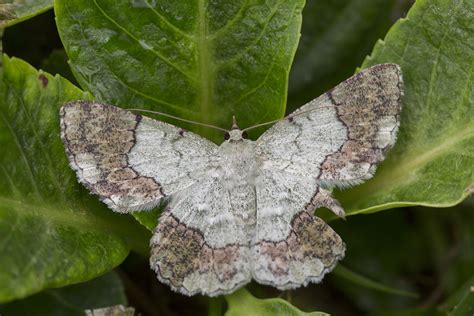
column 406, row 249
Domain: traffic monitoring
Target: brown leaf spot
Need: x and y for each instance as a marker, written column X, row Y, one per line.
column 44, row 80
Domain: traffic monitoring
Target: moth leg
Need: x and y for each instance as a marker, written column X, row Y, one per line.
column 324, row 199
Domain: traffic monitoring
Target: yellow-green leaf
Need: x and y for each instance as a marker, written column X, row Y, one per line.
column 242, row 303
column 52, row 231
column 15, row 11
column 432, row 161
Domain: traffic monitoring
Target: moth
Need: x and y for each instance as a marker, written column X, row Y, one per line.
column 242, row 210
column 116, row 310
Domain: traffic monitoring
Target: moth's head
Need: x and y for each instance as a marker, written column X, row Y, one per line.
column 235, row 133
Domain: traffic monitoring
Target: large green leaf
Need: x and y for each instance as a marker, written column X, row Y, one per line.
column 72, row 300
column 432, row 162
column 201, row 60
column 336, row 37
column 242, row 303
column 15, row 11
column 52, row 232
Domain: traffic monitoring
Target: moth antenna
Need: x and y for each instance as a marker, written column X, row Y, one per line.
column 283, row 118
column 181, row 119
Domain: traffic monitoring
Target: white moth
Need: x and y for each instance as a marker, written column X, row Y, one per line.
column 242, row 210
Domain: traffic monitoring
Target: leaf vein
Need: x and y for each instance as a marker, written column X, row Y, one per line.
column 447, row 30
column 10, row 180
column 166, row 60
column 23, row 156
column 12, row 227
column 257, row 40
column 254, row 89
column 167, row 22
column 43, row 150
column 229, row 23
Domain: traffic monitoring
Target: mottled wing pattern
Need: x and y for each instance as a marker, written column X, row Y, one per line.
column 117, row 310
column 335, row 140
column 130, row 161
column 201, row 243
column 339, row 137
column 242, row 210
column 291, row 246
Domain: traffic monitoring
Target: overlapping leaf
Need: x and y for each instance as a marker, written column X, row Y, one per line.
column 432, row 162
column 72, row 300
column 53, row 232
column 242, row 303
column 15, row 11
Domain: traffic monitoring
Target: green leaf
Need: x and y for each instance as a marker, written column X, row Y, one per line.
column 432, row 162
column 462, row 301
column 200, row 60
column 336, row 36
column 52, row 232
column 104, row 291
column 242, row 303
column 465, row 306
column 361, row 280
column 13, row 12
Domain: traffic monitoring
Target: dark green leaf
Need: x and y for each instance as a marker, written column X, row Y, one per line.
column 242, row 303
column 465, row 306
column 53, row 233
column 336, row 36
column 389, row 247
column 363, row 281
column 432, row 162
column 104, row 291
column 461, row 302
column 200, row 60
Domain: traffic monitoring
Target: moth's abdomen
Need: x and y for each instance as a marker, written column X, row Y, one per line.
column 201, row 243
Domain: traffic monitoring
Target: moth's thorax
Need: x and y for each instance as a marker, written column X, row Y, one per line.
column 237, row 174
column 238, row 160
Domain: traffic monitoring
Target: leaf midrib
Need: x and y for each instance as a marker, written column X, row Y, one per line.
column 205, row 66
column 417, row 159
column 414, row 162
